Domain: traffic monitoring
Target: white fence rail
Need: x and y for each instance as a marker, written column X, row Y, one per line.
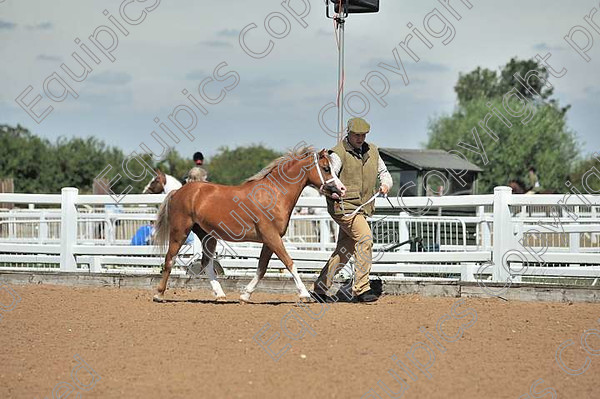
column 500, row 234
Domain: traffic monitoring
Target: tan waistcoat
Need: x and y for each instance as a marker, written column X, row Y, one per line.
column 359, row 176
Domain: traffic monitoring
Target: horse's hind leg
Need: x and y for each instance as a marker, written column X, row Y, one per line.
column 176, row 240
column 263, row 262
column 162, row 286
column 209, row 244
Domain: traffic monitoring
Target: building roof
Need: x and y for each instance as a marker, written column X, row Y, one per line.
column 429, row 159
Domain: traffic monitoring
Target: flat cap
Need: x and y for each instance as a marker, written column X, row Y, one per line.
column 358, row 125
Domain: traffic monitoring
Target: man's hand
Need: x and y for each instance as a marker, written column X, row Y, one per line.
column 384, row 189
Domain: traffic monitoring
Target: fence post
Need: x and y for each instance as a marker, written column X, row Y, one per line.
column 503, row 232
column 43, row 231
column 12, row 233
column 324, row 233
column 68, row 229
column 403, row 231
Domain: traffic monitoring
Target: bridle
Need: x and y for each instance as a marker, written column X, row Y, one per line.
column 323, row 181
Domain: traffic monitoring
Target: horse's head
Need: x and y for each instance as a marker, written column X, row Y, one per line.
column 321, row 176
column 156, row 185
column 518, row 187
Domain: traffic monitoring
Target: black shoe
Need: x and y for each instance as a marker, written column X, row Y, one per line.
column 367, row 296
column 322, row 297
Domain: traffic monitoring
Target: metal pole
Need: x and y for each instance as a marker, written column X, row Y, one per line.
column 340, row 112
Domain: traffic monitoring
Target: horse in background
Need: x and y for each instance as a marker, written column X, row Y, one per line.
column 162, row 183
column 519, row 187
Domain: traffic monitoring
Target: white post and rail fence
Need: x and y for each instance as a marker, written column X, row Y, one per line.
column 500, row 234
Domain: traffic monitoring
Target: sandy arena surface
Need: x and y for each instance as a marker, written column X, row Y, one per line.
column 195, row 348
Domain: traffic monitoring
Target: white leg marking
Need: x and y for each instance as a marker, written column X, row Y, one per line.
column 260, row 273
column 302, row 291
column 216, row 287
column 250, row 288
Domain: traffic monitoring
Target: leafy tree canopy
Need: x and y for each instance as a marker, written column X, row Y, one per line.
column 590, row 169
column 39, row 166
column 234, row 166
column 544, row 141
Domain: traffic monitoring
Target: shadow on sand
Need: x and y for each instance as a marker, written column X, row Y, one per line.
column 224, row 302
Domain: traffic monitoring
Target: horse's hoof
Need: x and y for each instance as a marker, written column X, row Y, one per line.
column 306, row 299
column 158, row 298
column 220, row 298
column 245, row 298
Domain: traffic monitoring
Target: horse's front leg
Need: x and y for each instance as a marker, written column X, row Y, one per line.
column 276, row 245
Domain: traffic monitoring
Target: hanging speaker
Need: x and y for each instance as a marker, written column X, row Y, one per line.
column 356, row 6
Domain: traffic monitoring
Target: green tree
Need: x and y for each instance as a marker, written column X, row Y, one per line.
column 38, row 166
column 545, row 143
column 173, row 164
column 234, row 166
column 480, row 83
column 77, row 161
column 593, row 178
column 487, row 84
column 26, row 159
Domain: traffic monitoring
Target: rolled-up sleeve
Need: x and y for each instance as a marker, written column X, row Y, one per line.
column 336, row 165
column 384, row 175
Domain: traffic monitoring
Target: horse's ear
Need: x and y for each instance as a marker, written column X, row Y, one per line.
column 322, row 153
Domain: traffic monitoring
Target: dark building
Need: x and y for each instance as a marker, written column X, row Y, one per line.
column 408, row 165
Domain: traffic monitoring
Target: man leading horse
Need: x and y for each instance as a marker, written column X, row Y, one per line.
column 358, row 166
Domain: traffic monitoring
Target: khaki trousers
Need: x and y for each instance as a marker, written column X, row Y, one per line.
column 355, row 238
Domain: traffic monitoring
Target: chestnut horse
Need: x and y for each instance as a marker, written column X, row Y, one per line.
column 258, row 210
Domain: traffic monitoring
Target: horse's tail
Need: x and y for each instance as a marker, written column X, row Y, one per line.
column 161, row 236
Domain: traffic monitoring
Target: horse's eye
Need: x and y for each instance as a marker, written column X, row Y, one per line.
column 327, row 169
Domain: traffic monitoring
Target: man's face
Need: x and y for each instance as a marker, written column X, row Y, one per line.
column 356, row 140
column 199, row 162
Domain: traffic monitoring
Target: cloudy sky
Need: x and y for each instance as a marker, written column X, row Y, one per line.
column 277, row 100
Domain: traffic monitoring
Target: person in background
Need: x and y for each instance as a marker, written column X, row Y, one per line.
column 534, row 182
column 197, row 173
column 198, row 158
column 143, row 235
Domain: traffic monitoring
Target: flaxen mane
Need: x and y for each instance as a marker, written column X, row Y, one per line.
column 269, row 168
